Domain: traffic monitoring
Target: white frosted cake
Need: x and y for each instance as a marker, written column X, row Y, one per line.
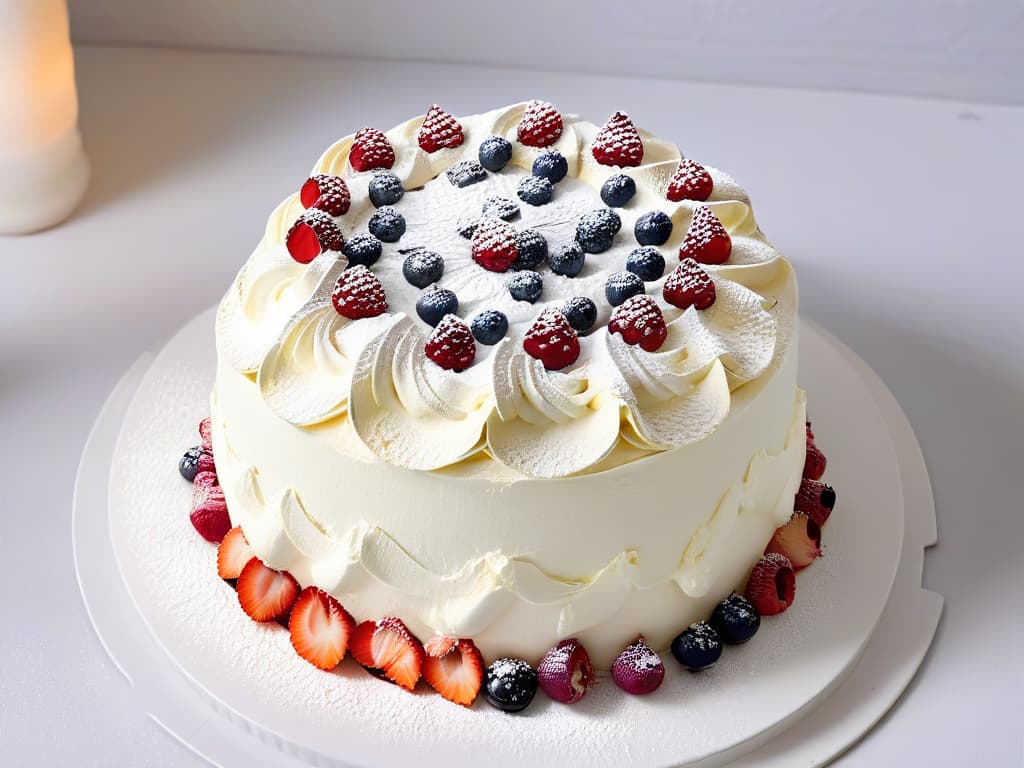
column 597, row 440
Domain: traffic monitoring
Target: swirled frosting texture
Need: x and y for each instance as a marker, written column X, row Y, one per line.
column 318, row 370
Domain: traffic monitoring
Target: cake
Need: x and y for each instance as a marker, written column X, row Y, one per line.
column 513, row 380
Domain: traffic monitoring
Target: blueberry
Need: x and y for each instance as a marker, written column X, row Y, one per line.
column 646, row 262
column 567, row 260
column 466, row 226
column 735, row 619
column 434, row 304
column 698, row 647
column 189, row 464
column 551, row 166
column 596, row 229
column 501, row 207
column 622, row 285
column 363, row 249
column 653, row 228
column 422, row 267
column 618, row 190
column 466, row 172
column 510, row 685
column 387, row 224
column 532, row 249
column 495, row 152
column 535, row 190
column 581, row 313
column 525, row 286
column 489, row 327
column 385, row 188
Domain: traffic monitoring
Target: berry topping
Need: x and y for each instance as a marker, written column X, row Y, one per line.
column 567, row 259
column 799, row 540
column 209, row 514
column 387, row 646
column 691, row 181
column 466, row 226
column 500, row 207
column 385, row 188
column 532, row 248
column 371, row 149
column 206, row 433
column 596, row 229
column 233, row 554
column 454, row 668
column 387, row 224
column 565, row 672
column 358, row 294
column 622, row 286
column 188, row 465
column 814, row 462
column 490, row 326
column 525, row 286
column 551, row 165
column 313, row 233
column 698, row 647
column 646, row 262
column 206, row 462
column 772, row 584
column 640, row 321
column 495, row 152
column 815, row 499
column 540, row 125
column 320, row 628
column 552, row 340
column 618, row 190
column 466, row 172
column 735, row 619
column 535, row 190
column 653, row 228
column 451, row 344
column 422, row 267
column 434, row 304
column 494, row 245
column 363, row 249
column 440, row 130
column 618, row 142
column 689, row 286
column 328, row 193
column 265, row 594
column 510, row 685
column 706, row 240
column 581, row 313
column 638, row 669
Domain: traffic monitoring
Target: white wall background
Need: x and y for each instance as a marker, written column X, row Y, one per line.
column 958, row 49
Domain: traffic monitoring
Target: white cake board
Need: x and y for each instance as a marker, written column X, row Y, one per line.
column 796, row 695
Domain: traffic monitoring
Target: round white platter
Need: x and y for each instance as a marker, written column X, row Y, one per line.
column 811, row 683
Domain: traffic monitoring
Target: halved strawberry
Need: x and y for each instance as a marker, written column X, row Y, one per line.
column 233, row 554
column 313, row 233
column 454, row 668
column 320, row 628
column 689, row 286
column 328, row 193
column 772, row 584
column 494, row 244
column 618, row 142
column 815, row 499
column 440, row 130
column 691, row 181
column 451, row 344
column 640, row 321
column 265, row 594
column 388, row 647
column 552, row 340
column 814, row 462
column 799, row 540
column 371, row 149
column 209, row 514
column 540, row 125
column 706, row 240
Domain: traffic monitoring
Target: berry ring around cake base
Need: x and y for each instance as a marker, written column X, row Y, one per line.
column 162, row 588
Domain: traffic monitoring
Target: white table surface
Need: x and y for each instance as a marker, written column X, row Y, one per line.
column 901, row 216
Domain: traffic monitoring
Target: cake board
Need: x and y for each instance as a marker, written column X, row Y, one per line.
column 165, row 395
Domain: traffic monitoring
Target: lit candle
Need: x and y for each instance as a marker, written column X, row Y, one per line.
column 43, row 170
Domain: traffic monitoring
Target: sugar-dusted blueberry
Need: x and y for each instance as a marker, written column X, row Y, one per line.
column 596, row 229
column 646, row 262
column 188, row 466
column 385, row 188
column 495, row 152
column 510, row 685
column 567, row 259
column 697, row 647
column 581, row 313
column 621, row 286
column 489, row 327
column 363, row 249
column 735, row 619
column 422, row 267
column 501, row 207
column 525, row 285
column 535, row 190
column 531, row 248
column 466, row 226
column 466, row 172
column 618, row 190
column 551, row 165
column 435, row 303
column 653, row 228
column 387, row 224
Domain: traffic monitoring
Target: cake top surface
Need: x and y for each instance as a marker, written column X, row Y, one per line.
column 521, row 285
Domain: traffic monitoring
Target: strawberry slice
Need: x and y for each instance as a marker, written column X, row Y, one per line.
column 799, row 540
column 320, row 628
column 451, row 344
column 552, row 340
column 706, row 240
column 328, row 193
column 691, row 181
column 639, row 320
column 540, row 125
column 618, row 142
column 313, row 233
column 689, row 286
column 233, row 554
column 440, row 130
column 388, row 647
column 494, row 244
column 772, row 584
column 209, row 514
column 454, row 668
column 371, row 149
column 265, row 594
